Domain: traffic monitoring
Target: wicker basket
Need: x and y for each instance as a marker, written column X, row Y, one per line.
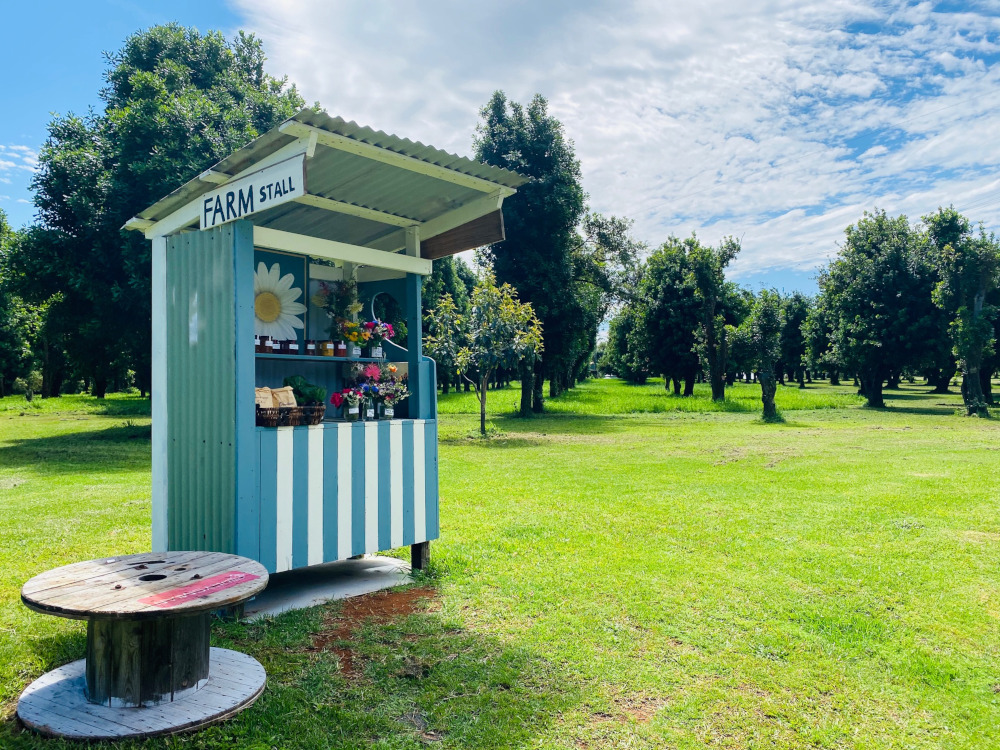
column 268, row 417
column 291, row 416
column 313, row 413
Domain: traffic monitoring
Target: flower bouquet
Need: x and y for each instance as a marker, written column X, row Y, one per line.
column 354, row 335
column 350, row 399
column 377, row 333
column 393, row 392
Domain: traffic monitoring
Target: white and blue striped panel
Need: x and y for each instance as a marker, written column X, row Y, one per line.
column 331, row 491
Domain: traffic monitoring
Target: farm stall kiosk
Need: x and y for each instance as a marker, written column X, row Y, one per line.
column 249, row 248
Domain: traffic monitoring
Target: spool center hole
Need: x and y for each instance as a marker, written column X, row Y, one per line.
column 152, row 577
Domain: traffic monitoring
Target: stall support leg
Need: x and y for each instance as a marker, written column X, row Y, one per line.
column 420, row 555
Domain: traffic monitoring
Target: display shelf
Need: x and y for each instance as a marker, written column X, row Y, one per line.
column 318, row 358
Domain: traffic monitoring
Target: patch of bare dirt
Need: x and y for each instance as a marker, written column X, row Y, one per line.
column 378, row 607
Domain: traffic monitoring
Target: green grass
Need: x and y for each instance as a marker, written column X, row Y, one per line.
column 612, row 397
column 616, row 575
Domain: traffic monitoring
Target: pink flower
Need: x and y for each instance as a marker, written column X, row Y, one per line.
column 337, row 400
column 373, row 373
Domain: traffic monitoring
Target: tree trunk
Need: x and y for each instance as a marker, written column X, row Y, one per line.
column 483, row 381
column 802, row 381
column 537, row 402
column 445, row 385
column 677, row 386
column 527, row 386
column 834, row 377
column 893, row 380
column 871, row 387
column 972, row 392
column 986, row 386
column 100, row 386
column 767, row 388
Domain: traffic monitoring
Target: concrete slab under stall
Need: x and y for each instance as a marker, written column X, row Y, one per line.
column 318, row 584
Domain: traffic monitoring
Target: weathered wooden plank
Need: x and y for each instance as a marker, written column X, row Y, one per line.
column 420, row 555
column 86, row 601
column 54, row 705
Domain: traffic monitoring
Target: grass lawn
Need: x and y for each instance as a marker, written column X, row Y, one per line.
column 631, row 570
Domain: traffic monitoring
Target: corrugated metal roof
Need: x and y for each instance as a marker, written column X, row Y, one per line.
column 350, row 178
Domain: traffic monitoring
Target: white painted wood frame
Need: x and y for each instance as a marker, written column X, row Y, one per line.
column 275, row 239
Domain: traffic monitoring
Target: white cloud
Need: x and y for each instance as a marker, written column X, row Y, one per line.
column 780, row 124
column 17, row 158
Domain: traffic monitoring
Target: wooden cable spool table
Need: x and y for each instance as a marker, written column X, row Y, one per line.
column 149, row 668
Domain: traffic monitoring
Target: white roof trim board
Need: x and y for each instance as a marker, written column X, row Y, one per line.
column 364, row 187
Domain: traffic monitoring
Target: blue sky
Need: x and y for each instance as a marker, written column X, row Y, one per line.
column 778, row 121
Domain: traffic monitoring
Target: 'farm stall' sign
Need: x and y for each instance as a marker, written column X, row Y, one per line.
column 259, row 191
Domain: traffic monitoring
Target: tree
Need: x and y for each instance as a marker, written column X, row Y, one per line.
column 669, row 309
column 176, row 102
column 796, row 308
column 816, row 332
column 15, row 317
column 968, row 268
column 446, row 337
column 626, row 353
column 501, row 331
column 536, row 258
column 761, row 335
column 707, row 274
column 878, row 295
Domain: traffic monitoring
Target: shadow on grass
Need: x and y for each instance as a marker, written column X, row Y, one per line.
column 115, row 447
column 404, row 681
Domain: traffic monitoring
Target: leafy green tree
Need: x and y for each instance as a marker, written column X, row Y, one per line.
column 793, row 340
column 500, row 332
column 446, row 337
column 707, row 275
column 878, row 296
column 176, row 102
column 969, row 266
column 15, row 351
column 669, row 310
column 761, row 336
column 816, row 331
column 536, row 257
column 626, row 352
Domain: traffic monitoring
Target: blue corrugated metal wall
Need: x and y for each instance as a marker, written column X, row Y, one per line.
column 204, row 393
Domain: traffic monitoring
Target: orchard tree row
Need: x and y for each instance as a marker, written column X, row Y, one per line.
column 898, row 299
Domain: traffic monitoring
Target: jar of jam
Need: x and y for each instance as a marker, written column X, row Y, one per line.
column 326, row 348
column 340, row 349
column 292, row 346
column 272, row 346
column 312, row 350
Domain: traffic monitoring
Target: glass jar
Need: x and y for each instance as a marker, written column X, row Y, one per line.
column 326, row 348
column 312, row 349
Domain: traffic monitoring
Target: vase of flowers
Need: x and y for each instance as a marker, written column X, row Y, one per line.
column 394, row 391
column 350, row 400
column 374, row 333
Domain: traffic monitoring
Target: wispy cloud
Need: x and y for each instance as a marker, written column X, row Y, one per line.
column 780, row 123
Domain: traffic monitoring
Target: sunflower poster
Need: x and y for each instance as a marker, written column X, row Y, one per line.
column 279, row 283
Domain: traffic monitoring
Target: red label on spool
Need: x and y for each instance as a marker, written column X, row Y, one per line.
column 198, row 590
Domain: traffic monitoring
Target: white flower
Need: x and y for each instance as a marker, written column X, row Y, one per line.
column 274, row 307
